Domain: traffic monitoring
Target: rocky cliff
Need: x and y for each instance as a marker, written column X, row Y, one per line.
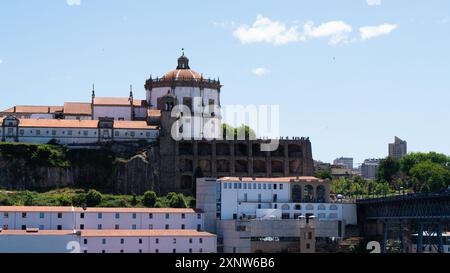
column 98, row 169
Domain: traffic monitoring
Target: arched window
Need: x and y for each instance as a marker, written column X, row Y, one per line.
column 285, row 207
column 296, row 194
column 309, row 207
column 308, row 195
column 320, row 194
column 321, row 207
column 298, row 207
column 333, row 207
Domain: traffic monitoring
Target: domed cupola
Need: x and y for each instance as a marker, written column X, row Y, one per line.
column 183, row 62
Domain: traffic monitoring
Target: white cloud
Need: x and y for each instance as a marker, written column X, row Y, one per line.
column 260, row 71
column 444, row 21
column 368, row 32
column 336, row 31
column 73, row 2
column 373, row 2
column 1, row 61
column 265, row 30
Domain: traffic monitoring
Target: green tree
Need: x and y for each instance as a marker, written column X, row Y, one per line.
column 5, row 200
column 177, row 201
column 29, row 199
column 79, row 200
column 93, row 198
column 429, row 176
column 388, row 170
column 149, row 199
column 64, row 200
column 324, row 174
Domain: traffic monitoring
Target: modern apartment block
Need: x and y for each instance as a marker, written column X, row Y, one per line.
column 398, row 149
column 369, row 169
column 252, row 215
column 344, row 161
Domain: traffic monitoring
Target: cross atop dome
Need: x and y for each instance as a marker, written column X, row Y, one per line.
column 183, row 61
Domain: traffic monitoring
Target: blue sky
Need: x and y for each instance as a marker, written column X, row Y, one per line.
column 347, row 74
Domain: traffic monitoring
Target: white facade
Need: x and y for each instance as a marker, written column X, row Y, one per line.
column 209, row 96
column 67, row 218
column 107, row 241
column 253, row 199
column 118, row 112
column 72, row 132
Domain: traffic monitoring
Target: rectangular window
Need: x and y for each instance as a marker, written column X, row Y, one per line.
column 22, row 132
column 140, row 241
column 259, row 186
column 167, row 216
column 147, row 134
column 150, row 216
column 122, row 241
column 59, row 215
column 69, row 132
column 183, row 226
column 24, row 227
column 5, row 215
column 41, row 227
column 117, row 215
column 245, row 186
column 183, row 216
column 174, row 240
column 24, row 215
column 81, row 227
column 116, row 133
column 270, row 186
column 201, row 240
column 82, row 215
column 264, row 186
column 104, row 241
column 99, row 215
column 38, row 132
column 157, row 241
column 117, row 227
column 134, row 227
column 59, row 227
column 190, row 240
column 134, row 215
column 281, row 186
column 99, row 227
column 85, row 133
column 41, row 215
column 132, row 133
column 150, row 227
column 85, row 241
column 254, row 186
column 225, row 185
column 199, row 216
column 54, row 132
column 199, row 227
column 274, row 186
column 156, row 250
column 167, row 226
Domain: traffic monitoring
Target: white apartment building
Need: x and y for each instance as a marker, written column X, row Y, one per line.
column 70, row 218
column 107, row 241
column 282, row 198
column 268, row 214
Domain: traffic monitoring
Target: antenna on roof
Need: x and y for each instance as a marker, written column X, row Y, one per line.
column 93, row 91
column 182, row 51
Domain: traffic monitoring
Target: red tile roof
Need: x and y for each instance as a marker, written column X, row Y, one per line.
column 274, row 179
column 94, row 210
column 77, row 108
column 34, row 109
column 113, row 233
